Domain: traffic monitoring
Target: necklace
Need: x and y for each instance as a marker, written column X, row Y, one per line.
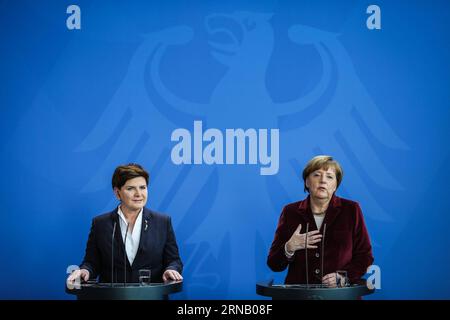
column 319, row 213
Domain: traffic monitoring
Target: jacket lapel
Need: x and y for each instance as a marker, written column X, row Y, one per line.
column 307, row 216
column 146, row 233
column 332, row 212
column 119, row 243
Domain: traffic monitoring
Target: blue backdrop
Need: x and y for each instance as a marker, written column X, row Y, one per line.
column 76, row 103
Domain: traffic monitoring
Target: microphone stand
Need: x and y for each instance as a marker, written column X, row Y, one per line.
column 323, row 245
column 112, row 253
column 306, row 256
column 125, row 257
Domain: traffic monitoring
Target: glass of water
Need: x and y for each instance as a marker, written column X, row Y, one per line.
column 144, row 277
column 342, row 279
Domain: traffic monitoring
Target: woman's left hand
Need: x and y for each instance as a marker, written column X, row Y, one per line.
column 171, row 275
column 330, row 280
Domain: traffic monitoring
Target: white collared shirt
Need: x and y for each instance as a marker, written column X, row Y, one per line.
column 133, row 237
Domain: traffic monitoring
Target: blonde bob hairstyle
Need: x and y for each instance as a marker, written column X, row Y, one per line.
column 322, row 162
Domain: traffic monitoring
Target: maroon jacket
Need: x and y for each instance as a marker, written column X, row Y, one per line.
column 346, row 242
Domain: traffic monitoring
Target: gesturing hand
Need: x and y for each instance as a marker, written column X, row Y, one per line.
column 298, row 240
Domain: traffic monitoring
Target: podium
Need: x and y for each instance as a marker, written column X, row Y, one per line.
column 129, row 291
column 311, row 292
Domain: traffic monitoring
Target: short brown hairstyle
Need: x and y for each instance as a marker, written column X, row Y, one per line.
column 322, row 162
column 123, row 173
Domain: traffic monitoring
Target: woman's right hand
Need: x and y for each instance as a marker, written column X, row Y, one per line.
column 82, row 274
column 298, row 240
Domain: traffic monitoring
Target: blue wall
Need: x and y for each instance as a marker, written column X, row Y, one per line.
column 76, row 103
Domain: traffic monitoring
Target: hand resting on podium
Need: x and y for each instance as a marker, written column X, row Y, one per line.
column 171, row 275
column 81, row 274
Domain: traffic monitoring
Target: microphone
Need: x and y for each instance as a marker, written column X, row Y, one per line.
column 323, row 245
column 112, row 253
column 125, row 257
column 306, row 256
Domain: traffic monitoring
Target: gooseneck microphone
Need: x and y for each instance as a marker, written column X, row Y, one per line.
column 306, row 255
column 323, row 245
column 112, row 253
column 125, row 257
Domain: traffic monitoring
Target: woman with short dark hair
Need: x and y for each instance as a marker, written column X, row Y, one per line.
column 144, row 236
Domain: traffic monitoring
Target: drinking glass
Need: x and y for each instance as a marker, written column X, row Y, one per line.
column 144, row 277
column 342, row 279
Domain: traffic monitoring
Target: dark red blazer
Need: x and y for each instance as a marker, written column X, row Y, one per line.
column 346, row 242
